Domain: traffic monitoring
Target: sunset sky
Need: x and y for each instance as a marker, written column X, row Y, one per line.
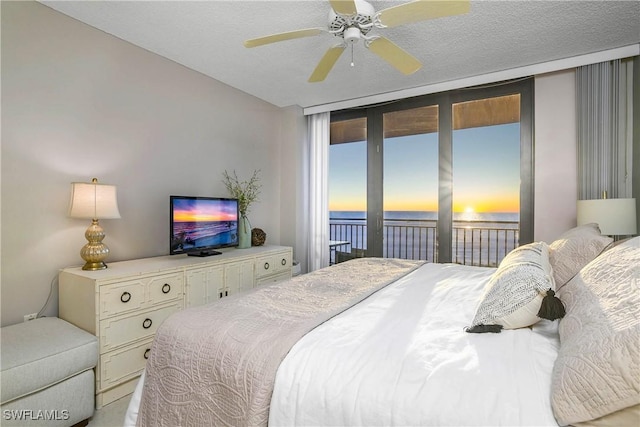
column 203, row 210
column 486, row 172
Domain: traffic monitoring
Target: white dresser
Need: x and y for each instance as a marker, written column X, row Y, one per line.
column 124, row 304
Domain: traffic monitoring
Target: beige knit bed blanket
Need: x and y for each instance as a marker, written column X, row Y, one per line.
column 216, row 365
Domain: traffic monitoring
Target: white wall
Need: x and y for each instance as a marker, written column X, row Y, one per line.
column 555, row 155
column 293, row 219
column 78, row 103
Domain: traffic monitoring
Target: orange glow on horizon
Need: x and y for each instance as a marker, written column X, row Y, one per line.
column 188, row 216
column 348, row 206
column 485, row 206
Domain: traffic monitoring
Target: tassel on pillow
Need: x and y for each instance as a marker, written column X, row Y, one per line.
column 551, row 307
column 481, row 329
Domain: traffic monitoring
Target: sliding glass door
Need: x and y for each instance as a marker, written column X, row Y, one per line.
column 447, row 177
column 486, row 179
column 348, row 189
column 410, row 184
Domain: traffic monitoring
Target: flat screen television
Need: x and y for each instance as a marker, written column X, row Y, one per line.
column 199, row 225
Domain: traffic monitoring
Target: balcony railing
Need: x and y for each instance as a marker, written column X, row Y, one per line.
column 479, row 243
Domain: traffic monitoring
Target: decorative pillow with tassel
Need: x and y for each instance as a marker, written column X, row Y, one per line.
column 519, row 293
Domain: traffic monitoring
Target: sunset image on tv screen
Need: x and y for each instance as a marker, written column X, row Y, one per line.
column 203, row 223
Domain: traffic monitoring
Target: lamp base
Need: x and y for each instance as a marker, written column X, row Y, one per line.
column 95, row 251
column 91, row 266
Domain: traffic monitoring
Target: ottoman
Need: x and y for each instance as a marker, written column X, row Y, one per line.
column 46, row 374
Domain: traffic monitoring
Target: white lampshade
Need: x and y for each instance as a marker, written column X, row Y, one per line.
column 93, row 201
column 615, row 217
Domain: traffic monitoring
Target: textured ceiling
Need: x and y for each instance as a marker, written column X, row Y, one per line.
column 207, row 36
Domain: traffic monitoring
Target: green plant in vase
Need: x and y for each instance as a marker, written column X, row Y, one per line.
column 246, row 192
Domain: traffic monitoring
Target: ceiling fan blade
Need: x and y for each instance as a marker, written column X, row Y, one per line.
column 420, row 10
column 309, row 32
column 394, row 55
column 326, row 63
column 344, row 7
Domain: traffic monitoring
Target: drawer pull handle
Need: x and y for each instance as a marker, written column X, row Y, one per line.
column 125, row 297
column 283, row 262
column 147, row 323
column 266, row 265
column 166, row 288
column 146, row 353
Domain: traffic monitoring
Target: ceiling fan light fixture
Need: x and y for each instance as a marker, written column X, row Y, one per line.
column 351, row 35
column 362, row 18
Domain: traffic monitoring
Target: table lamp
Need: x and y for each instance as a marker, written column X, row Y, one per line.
column 615, row 217
column 94, row 201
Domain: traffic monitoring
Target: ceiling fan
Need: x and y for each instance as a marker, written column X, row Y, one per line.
column 352, row 20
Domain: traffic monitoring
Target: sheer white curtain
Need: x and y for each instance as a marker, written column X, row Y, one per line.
column 605, row 136
column 318, row 195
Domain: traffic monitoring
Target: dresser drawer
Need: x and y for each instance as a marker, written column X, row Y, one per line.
column 165, row 288
column 265, row 266
column 136, row 294
column 284, row 262
column 120, row 365
column 273, row 279
column 273, row 264
column 121, row 297
column 120, row 330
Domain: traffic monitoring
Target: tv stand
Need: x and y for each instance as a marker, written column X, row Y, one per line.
column 204, row 253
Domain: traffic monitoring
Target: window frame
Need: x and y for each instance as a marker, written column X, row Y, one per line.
column 445, row 101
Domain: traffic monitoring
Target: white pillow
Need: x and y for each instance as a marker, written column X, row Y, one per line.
column 514, row 295
column 574, row 249
column 597, row 371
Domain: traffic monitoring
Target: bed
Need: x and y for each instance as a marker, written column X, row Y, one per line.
column 394, row 347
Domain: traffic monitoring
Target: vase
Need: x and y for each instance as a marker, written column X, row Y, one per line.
column 244, row 233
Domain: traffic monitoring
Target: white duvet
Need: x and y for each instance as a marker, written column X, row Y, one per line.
column 401, row 357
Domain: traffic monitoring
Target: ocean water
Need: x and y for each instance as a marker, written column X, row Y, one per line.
column 192, row 235
column 477, row 238
column 428, row 216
